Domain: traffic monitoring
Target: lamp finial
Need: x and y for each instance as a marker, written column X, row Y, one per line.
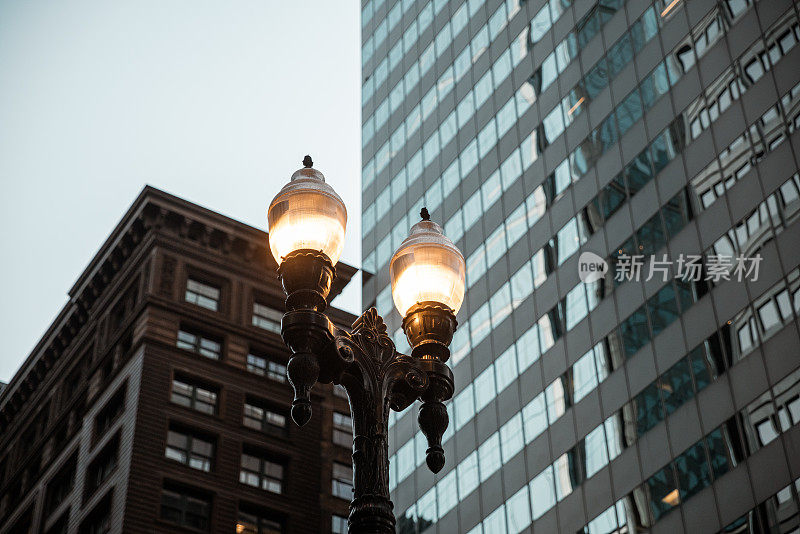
column 307, row 162
column 424, row 214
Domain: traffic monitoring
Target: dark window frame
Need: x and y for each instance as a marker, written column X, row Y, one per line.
column 260, row 520
column 271, row 368
column 202, row 344
column 260, row 316
column 110, row 412
column 271, row 421
column 60, row 486
column 342, row 429
column 190, row 453
column 102, row 466
column 102, row 513
column 264, row 475
column 183, row 495
column 194, row 399
column 341, row 486
column 202, row 294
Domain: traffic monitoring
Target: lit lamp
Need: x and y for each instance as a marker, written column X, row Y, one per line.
column 307, row 221
column 428, row 274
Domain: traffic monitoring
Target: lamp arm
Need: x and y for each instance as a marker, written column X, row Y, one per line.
column 377, row 379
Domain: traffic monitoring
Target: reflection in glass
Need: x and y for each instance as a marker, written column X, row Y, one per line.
column 663, row 492
column 693, row 471
column 542, row 490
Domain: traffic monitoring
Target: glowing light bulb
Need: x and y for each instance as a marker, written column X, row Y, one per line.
column 427, row 268
column 307, row 214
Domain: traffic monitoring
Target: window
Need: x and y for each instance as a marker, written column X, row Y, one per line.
column 261, row 472
column 489, row 456
column 542, row 492
column 185, row 507
column 693, row 471
column 204, row 295
column 258, row 417
column 61, row 526
column 702, row 360
column 511, row 438
column 102, row 466
column 605, row 522
column 72, row 383
column 584, row 376
column 464, row 407
column 342, row 481
column 110, row 412
column 447, row 493
column 766, row 431
column 567, row 475
column 663, row 309
column 557, row 397
column 768, row 313
column 534, row 417
column 576, row 307
column 629, row 111
column 650, row 236
column 99, row 520
column 338, row 524
column 595, row 449
column 342, row 429
column 648, row 409
column 676, row 386
column 266, row 367
column 506, row 368
column 200, row 398
column 200, row 344
column 635, row 333
column 405, row 460
column 426, row 508
column 60, row 486
column 266, row 318
column 467, row 475
column 663, row 492
column 23, row 524
column 252, row 520
column 484, row 388
column 190, row 449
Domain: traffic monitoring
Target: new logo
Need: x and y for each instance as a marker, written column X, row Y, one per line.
column 591, row 267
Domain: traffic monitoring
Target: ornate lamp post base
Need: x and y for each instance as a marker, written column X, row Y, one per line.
column 377, row 378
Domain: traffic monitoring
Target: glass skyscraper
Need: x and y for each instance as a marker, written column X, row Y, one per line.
column 657, row 131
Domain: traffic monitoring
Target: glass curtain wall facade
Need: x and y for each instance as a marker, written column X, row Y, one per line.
column 534, row 131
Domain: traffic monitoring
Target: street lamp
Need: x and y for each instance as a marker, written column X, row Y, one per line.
column 307, row 221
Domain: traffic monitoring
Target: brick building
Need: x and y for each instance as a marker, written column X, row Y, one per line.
column 157, row 401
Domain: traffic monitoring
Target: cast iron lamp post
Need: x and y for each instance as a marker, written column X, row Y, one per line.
column 307, row 222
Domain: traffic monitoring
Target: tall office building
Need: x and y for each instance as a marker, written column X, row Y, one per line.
column 157, row 401
column 535, row 131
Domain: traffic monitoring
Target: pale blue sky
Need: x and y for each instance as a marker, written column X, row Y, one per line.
column 216, row 102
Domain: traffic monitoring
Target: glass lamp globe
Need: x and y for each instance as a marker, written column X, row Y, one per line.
column 427, row 268
column 307, row 214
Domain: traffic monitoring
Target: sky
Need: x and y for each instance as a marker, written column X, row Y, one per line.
column 215, row 102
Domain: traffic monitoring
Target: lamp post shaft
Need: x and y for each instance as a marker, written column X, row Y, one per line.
column 371, row 508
